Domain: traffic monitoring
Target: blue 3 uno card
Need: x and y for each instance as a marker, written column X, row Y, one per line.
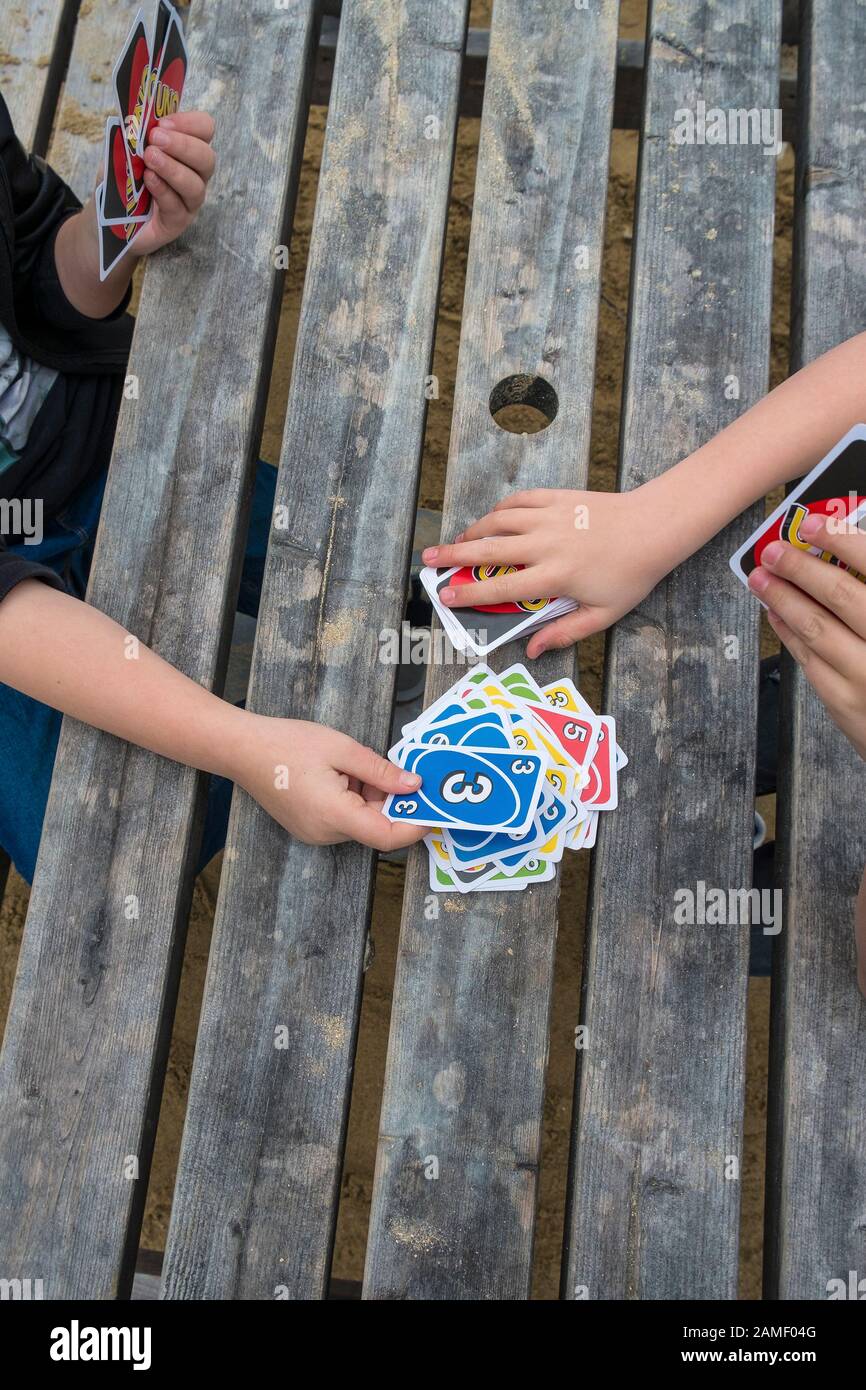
column 468, row 850
column 469, row 788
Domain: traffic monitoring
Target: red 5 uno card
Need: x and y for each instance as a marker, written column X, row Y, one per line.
column 577, row 737
column 600, row 791
column 130, row 79
column 835, row 488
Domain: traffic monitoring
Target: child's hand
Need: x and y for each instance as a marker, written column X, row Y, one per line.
column 819, row 612
column 601, row 548
column 320, row 785
column 179, row 163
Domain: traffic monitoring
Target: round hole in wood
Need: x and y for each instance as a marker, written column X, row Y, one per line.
column 523, row 404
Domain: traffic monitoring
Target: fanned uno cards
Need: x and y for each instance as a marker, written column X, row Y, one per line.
column 484, row 627
column 147, row 82
column 834, row 489
column 512, row 775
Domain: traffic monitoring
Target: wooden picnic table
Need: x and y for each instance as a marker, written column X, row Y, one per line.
column 654, row 1190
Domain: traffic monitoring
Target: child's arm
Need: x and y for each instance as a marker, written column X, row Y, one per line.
column 179, row 163
column 319, row 784
column 608, row 550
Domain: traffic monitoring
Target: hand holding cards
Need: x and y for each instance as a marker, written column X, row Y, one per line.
column 148, row 82
column 835, row 490
column 512, row 776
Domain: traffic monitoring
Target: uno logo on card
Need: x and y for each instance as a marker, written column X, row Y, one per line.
column 139, row 71
column 479, row 574
column 787, row 527
column 167, row 98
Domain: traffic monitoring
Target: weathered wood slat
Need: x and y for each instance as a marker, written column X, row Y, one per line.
column 34, row 47
column 255, row 1204
column 659, row 1092
column 82, row 1065
column 816, row 1134
column 469, row 1031
column 628, row 94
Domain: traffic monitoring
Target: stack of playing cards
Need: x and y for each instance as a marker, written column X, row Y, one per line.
column 512, row 775
column 147, row 83
column 483, row 628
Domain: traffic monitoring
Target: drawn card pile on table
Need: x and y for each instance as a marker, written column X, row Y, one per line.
column 513, row 775
column 147, row 84
column 484, row 627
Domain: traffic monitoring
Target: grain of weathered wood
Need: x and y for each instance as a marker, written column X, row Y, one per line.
column 659, row 1093
column 34, row 47
column 468, row 1047
column 628, row 94
column 256, row 1196
column 82, row 1065
column 816, row 1138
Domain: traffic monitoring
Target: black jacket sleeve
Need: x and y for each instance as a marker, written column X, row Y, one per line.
column 40, row 200
column 15, row 567
column 34, row 203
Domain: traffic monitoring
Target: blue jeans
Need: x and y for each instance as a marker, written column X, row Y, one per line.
column 29, row 731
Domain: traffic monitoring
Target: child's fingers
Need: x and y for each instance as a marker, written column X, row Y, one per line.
column 828, row 685
column 817, row 630
column 172, row 208
column 373, row 770
column 530, row 497
column 510, row 523
column 197, row 123
column 834, row 588
column 841, row 537
column 362, row 821
column 508, row 551
column 188, row 185
column 507, row 588
column 187, row 149
column 563, row 632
